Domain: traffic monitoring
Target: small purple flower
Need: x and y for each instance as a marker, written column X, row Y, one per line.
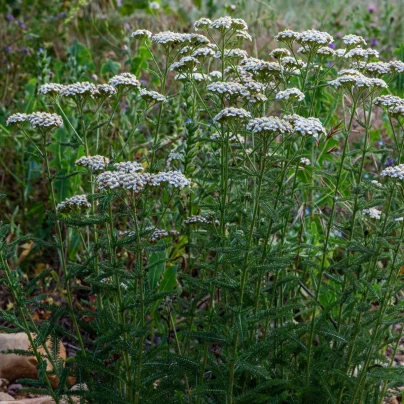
column 188, row 120
column 127, row 26
column 22, row 24
column 338, row 35
column 380, row 142
column 307, row 211
column 7, row 49
column 374, row 42
column 9, row 17
column 372, row 8
column 119, row 3
column 389, row 162
column 332, row 45
column 25, row 51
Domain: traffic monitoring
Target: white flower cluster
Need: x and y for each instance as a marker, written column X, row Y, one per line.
column 232, row 137
column 231, row 114
column 128, row 167
column 397, row 66
column 309, row 126
column 77, row 202
column 159, row 234
column 192, row 76
column 305, row 161
column 204, row 52
column 241, row 34
column 168, row 38
column 394, row 172
column 279, row 52
column 196, row 219
column 83, row 89
column 119, row 179
column 215, row 74
column 232, row 54
column 103, row 90
column 376, row 183
column 373, row 213
column 377, row 68
column 261, row 68
column 353, row 40
column 358, row 80
column 50, row 89
column 187, row 63
column 141, row 34
column 291, row 62
column 397, row 110
column 227, row 23
column 286, row 36
column 124, row 80
column 271, row 124
column 325, row 51
column 174, row 178
column 45, row 120
column 313, row 37
column 228, row 88
column 93, row 163
column 293, row 94
column 151, row 96
column 202, row 23
column 388, row 101
column 16, row 119
column 362, row 54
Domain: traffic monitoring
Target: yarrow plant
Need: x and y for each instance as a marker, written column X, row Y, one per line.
column 227, row 240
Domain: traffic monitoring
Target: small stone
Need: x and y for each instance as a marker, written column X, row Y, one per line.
column 14, row 389
column 6, row 397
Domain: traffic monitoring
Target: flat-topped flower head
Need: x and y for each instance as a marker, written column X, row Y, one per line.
column 226, row 23
column 195, row 39
column 104, row 91
column 339, row 53
column 397, row 66
column 192, row 76
column 93, row 163
column 186, row 64
column 168, row 38
column 291, row 62
column 304, row 50
column 292, row 118
column 394, row 172
column 358, row 80
column 376, row 69
column 52, row 89
column 325, row 51
column 17, row 119
column 128, row 167
column 174, row 178
column 305, row 161
column 233, row 54
column 241, row 34
column 279, row 52
column 196, row 219
column 271, row 124
column 361, row 54
column 230, row 114
column 288, row 36
column 202, row 23
column 151, row 96
column 397, row 111
column 215, row 74
column 314, row 38
column 203, row 53
column 261, row 69
column 309, row 127
column 388, row 101
column 83, row 89
column 353, row 40
column 228, row 88
column 45, row 120
column 75, row 203
column 373, row 213
column 292, row 94
column 349, row 72
column 141, row 34
column 124, row 80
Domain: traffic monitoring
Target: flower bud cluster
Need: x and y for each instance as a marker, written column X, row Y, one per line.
column 124, row 80
column 394, row 172
column 231, row 113
column 93, row 163
column 196, row 219
column 78, row 202
column 373, row 213
column 271, row 124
